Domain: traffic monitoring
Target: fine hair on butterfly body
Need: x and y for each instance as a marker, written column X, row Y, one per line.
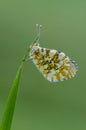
column 54, row 65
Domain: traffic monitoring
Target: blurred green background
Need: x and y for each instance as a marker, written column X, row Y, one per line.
column 42, row 105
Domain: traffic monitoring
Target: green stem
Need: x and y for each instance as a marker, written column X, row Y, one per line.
column 10, row 105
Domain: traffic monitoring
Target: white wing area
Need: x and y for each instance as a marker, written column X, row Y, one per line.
column 54, row 65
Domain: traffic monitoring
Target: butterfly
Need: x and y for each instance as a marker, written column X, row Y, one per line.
column 54, row 65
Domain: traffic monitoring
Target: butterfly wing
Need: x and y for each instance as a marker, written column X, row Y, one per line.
column 55, row 66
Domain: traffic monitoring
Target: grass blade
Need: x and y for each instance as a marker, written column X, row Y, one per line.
column 10, row 106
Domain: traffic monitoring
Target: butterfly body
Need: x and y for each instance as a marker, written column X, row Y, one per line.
column 54, row 65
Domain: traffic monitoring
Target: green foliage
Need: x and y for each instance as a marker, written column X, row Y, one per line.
column 10, row 106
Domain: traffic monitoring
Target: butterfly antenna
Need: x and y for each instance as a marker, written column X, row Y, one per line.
column 38, row 28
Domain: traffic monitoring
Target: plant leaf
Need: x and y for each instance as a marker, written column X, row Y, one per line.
column 10, row 105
